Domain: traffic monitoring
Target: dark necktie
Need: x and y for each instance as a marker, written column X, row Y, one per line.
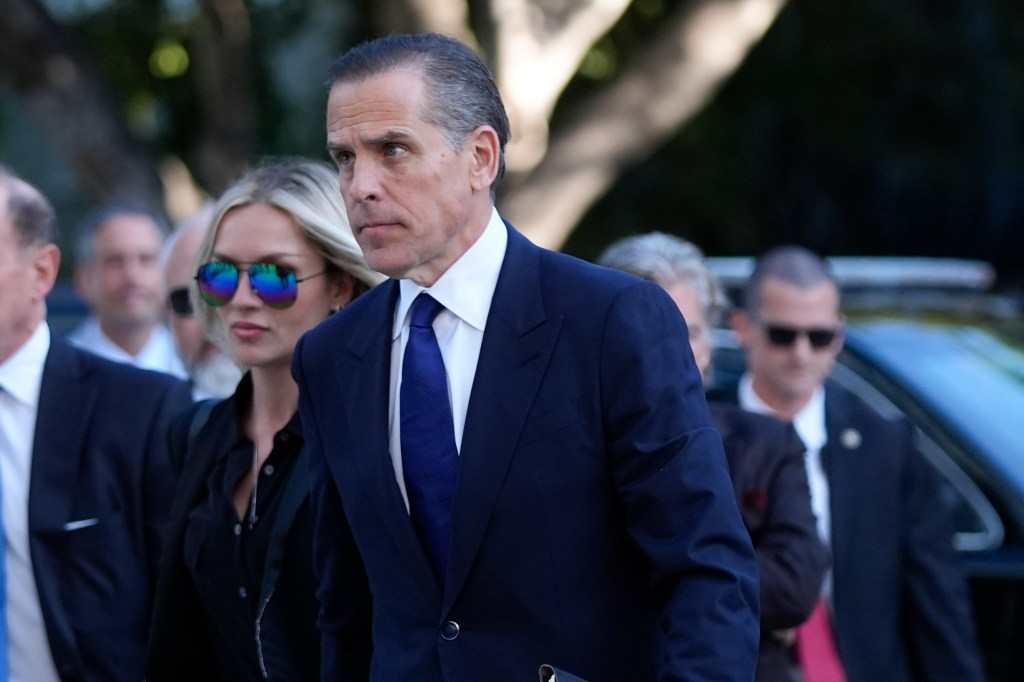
column 429, row 456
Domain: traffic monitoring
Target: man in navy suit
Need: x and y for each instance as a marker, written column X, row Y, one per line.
column 591, row 523
column 897, row 603
column 85, row 477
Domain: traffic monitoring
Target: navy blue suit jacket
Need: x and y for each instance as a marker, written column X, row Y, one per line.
column 902, row 608
column 99, row 463
column 594, row 521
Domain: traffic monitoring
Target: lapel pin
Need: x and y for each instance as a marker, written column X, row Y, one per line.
column 850, row 439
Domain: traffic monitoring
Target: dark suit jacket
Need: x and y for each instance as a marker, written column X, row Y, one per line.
column 592, row 496
column 99, row 453
column 902, row 609
column 766, row 463
column 180, row 648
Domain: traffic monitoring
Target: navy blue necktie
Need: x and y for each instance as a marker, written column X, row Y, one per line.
column 429, row 456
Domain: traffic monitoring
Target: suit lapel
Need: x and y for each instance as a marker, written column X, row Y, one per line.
column 514, row 355
column 363, row 375
column 837, row 460
column 67, row 399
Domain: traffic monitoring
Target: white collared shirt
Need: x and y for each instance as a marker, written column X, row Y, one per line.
column 809, row 423
column 21, row 376
column 158, row 354
column 465, row 290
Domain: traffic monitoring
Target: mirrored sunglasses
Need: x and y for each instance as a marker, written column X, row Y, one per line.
column 779, row 335
column 275, row 285
column 180, row 303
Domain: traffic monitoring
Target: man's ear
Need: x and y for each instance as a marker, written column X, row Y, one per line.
column 484, row 153
column 45, row 266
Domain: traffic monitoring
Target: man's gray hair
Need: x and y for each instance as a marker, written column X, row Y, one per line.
column 667, row 260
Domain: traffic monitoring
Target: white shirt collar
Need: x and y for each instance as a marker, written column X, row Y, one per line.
column 810, row 421
column 158, row 353
column 467, row 287
column 21, row 374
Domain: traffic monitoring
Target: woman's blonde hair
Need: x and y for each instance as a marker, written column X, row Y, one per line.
column 308, row 192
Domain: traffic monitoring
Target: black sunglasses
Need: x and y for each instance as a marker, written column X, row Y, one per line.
column 275, row 285
column 180, row 303
column 779, row 335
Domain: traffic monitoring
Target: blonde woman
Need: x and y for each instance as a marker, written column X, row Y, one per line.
column 236, row 593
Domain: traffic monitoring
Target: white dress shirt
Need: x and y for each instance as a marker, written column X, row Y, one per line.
column 159, row 352
column 465, row 290
column 21, row 377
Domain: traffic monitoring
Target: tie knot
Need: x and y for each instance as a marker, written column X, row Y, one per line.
column 424, row 310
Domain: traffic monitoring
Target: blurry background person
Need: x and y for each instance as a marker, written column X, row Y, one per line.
column 897, row 606
column 765, row 455
column 117, row 274
column 211, row 372
column 86, row 485
column 236, row 598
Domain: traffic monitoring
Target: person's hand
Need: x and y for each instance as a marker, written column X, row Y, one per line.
column 787, row 636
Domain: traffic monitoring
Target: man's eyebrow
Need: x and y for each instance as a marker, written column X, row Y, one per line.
column 387, row 137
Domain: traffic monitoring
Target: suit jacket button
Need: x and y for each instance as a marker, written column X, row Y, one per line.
column 450, row 630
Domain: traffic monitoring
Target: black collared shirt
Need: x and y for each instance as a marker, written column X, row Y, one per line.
column 229, row 553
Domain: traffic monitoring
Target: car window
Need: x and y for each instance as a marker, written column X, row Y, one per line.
column 977, row 525
column 963, row 385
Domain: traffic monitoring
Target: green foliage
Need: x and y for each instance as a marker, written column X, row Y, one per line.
column 163, row 109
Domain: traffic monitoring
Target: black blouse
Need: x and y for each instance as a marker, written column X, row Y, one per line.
column 229, row 554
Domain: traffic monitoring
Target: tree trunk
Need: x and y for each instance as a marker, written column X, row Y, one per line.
column 670, row 81
column 225, row 135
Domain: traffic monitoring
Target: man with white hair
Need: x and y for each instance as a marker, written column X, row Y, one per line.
column 211, row 372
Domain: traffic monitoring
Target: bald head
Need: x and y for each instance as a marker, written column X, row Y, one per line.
column 32, row 218
column 179, row 270
column 29, row 260
column 181, row 249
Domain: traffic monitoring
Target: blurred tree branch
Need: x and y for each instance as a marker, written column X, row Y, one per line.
column 226, row 128
column 671, row 79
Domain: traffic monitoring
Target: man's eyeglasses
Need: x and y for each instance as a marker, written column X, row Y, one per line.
column 783, row 336
column 181, row 304
column 275, row 285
